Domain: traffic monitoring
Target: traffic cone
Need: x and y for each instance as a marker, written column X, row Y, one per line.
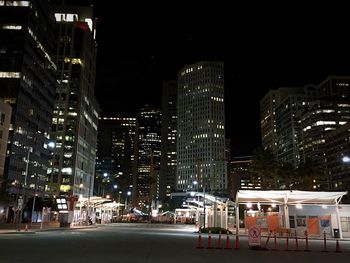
column 219, row 241
column 26, row 228
column 337, row 247
column 209, row 239
column 228, row 246
column 199, row 244
column 237, row 239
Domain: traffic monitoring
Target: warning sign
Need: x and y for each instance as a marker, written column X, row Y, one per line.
column 254, row 236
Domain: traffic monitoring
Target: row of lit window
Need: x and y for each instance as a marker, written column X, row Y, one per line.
column 217, row 99
column 74, row 61
column 11, row 26
column 41, row 47
column 6, row 74
column 14, row 3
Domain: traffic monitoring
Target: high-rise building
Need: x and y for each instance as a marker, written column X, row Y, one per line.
column 268, row 106
column 239, row 176
column 169, row 134
column 115, row 156
column 28, row 84
column 147, row 159
column 75, row 120
column 287, row 127
column 337, row 159
column 321, row 117
column 201, row 128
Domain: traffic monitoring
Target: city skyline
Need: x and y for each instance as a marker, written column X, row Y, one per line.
column 259, row 54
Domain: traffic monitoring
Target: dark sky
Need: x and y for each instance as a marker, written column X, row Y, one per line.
column 137, row 50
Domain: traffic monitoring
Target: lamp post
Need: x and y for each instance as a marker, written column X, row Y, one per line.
column 204, row 205
column 128, row 193
column 33, row 208
column 197, row 213
column 24, row 190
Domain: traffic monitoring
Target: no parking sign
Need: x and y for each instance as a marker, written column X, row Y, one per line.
column 254, row 236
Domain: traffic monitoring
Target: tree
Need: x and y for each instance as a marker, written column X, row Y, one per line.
column 265, row 167
column 309, row 176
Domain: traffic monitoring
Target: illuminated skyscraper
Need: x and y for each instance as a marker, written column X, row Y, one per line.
column 115, row 156
column 169, row 134
column 201, row 128
column 147, row 158
column 75, row 120
column 28, row 84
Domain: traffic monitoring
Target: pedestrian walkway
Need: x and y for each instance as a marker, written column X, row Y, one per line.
column 37, row 227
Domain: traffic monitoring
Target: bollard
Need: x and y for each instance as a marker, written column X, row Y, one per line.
column 228, row 246
column 324, row 242
column 267, row 240
column 337, row 247
column 209, row 239
column 287, row 243
column 199, row 243
column 275, row 242
column 296, row 242
column 306, row 242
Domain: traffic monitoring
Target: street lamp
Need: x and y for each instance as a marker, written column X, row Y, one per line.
column 21, row 203
column 195, row 182
column 128, row 193
column 346, row 159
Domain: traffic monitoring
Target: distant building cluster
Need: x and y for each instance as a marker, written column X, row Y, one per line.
column 311, row 123
column 54, row 140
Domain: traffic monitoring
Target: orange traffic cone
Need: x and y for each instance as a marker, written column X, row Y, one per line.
column 337, row 247
column 228, row 240
column 209, row 239
column 219, row 241
column 199, row 244
column 237, row 239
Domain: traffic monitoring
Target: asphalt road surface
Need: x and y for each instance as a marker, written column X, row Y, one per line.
column 154, row 243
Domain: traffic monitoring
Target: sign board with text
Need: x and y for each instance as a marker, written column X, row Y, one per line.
column 254, row 236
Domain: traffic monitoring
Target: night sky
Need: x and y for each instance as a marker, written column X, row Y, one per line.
column 260, row 52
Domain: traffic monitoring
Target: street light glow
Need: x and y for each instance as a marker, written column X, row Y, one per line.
column 346, row 159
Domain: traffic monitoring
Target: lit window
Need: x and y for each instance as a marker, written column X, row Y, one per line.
column 15, row 75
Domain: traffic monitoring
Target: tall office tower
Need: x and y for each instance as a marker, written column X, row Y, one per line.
column 75, row 120
column 201, row 128
column 239, row 176
column 337, row 159
column 268, row 106
column 5, row 118
column 321, row 117
column 169, row 134
column 287, row 127
column 28, row 84
column 147, row 159
column 115, row 156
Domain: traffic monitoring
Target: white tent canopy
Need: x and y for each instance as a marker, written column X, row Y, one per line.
column 289, row 197
column 97, row 202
